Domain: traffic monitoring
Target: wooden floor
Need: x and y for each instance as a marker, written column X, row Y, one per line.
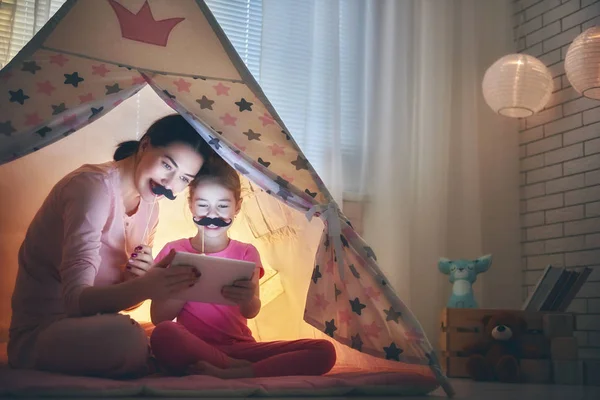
column 469, row 390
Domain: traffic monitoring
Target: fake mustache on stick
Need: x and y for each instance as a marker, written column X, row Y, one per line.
column 206, row 221
column 161, row 190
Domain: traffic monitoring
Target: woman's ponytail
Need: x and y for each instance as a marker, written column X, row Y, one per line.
column 126, row 149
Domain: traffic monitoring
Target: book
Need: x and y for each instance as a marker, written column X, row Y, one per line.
column 544, row 288
column 556, row 290
column 535, row 289
column 581, row 278
column 571, row 278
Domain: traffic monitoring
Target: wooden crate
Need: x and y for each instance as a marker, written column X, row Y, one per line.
column 462, row 326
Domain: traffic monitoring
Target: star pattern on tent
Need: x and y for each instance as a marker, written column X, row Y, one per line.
column 300, row 163
column 45, row 88
column 244, row 105
column 372, row 330
column 30, row 66
column 357, row 342
column 73, row 79
column 316, row 274
column 345, row 316
column 6, row 128
column 86, row 98
column 392, row 352
column 354, row 271
column 18, row 97
column 311, row 194
column 58, row 109
column 137, row 80
column 240, row 147
column 228, row 120
column 95, row 111
column 276, row 149
column 263, row 162
column 33, row 119
column 100, row 70
column 320, row 301
column 111, row 89
column 370, row 253
column 337, row 291
column 392, row 315
column 357, row 306
column 266, row 119
column 216, row 143
column 289, row 179
column 59, row 59
column 205, row 103
column 372, row 293
column 182, row 85
column 252, row 135
column 221, row 89
column 330, row 327
column 44, row 131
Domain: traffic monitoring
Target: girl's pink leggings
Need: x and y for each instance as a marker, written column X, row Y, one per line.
column 176, row 348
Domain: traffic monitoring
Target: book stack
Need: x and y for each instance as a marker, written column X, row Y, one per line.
column 556, row 289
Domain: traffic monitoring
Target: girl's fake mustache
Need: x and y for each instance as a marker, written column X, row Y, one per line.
column 206, row 221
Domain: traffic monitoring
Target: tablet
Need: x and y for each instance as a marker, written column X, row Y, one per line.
column 216, row 273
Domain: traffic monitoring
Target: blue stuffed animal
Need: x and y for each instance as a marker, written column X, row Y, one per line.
column 463, row 273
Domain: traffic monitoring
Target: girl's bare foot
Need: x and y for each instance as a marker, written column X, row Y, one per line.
column 204, row 368
column 236, row 363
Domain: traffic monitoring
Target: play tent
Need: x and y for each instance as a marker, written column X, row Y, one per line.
column 93, row 55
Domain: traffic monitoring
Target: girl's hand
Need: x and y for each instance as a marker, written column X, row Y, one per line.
column 161, row 282
column 242, row 292
column 141, row 260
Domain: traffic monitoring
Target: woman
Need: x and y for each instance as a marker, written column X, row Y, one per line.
column 84, row 258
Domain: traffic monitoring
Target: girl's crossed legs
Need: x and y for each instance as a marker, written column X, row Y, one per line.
column 180, row 351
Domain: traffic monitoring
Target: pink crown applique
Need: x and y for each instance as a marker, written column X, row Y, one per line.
column 142, row 27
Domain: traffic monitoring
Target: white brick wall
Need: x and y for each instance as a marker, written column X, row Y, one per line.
column 560, row 162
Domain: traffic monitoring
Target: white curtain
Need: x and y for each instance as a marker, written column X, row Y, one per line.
column 384, row 96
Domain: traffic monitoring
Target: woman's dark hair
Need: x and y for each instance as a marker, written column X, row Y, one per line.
column 163, row 132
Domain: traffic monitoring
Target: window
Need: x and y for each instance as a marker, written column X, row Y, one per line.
column 242, row 22
column 20, row 20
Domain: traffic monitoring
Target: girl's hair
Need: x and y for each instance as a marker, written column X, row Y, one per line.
column 163, row 132
column 217, row 170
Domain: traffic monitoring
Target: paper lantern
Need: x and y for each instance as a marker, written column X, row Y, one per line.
column 517, row 86
column 582, row 63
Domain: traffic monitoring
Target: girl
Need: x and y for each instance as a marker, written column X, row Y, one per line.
column 214, row 339
column 72, row 278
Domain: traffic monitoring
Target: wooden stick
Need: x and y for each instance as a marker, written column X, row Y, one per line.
column 148, row 222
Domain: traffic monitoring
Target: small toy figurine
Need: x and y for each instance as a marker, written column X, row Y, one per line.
column 463, row 273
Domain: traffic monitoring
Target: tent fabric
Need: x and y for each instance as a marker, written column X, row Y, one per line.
column 92, row 55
